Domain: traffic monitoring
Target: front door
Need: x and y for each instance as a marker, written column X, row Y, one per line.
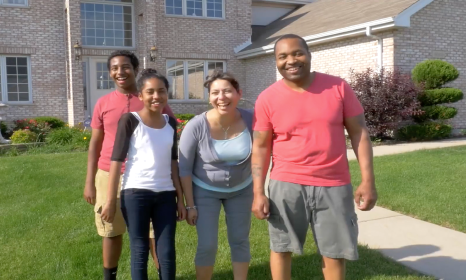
column 100, row 82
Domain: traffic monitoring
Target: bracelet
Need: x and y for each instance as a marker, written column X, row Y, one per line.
column 189, row 208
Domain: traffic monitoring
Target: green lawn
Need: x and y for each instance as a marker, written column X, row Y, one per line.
column 429, row 185
column 47, row 231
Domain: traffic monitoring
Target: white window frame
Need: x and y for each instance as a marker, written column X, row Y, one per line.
column 186, row 78
column 204, row 11
column 133, row 24
column 4, row 3
column 4, row 83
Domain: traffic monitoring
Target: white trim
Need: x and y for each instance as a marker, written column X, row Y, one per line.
column 204, row 11
column 401, row 20
column 3, row 76
column 404, row 18
column 133, row 23
column 14, row 5
column 186, row 76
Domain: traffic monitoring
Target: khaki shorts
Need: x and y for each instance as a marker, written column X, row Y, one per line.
column 118, row 227
column 328, row 210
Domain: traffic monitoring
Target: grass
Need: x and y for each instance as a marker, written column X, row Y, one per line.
column 47, row 232
column 427, row 185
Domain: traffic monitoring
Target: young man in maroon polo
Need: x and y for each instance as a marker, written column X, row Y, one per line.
column 123, row 68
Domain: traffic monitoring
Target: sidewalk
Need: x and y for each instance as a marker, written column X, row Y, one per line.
column 422, row 246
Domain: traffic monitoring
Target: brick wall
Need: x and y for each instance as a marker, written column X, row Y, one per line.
column 437, row 32
column 25, row 31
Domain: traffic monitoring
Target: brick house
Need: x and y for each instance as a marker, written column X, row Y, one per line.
column 40, row 74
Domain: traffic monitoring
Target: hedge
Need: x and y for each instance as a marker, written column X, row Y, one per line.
column 424, row 131
column 434, row 73
column 184, row 117
column 436, row 112
column 52, row 121
column 440, row 95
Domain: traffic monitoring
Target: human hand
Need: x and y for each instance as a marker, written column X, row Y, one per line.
column 367, row 194
column 89, row 193
column 108, row 211
column 181, row 210
column 192, row 216
column 260, row 207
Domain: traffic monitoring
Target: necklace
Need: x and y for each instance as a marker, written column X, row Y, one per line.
column 225, row 131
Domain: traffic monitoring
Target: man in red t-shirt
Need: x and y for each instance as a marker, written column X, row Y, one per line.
column 301, row 120
column 123, row 69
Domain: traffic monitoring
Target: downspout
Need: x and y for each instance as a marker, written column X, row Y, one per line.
column 380, row 47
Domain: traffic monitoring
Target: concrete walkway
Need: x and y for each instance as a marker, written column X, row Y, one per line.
column 422, row 246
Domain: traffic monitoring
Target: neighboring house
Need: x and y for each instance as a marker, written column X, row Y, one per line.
column 358, row 34
column 40, row 73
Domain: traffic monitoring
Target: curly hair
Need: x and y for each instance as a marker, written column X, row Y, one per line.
column 150, row 73
column 132, row 57
column 218, row 74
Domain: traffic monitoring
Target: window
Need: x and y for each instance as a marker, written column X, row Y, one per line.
column 15, row 79
column 14, row 2
column 195, row 8
column 107, row 25
column 187, row 78
column 103, row 77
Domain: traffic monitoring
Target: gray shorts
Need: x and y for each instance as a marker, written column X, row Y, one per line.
column 329, row 211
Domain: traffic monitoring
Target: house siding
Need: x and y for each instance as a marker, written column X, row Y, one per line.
column 25, row 31
column 437, row 32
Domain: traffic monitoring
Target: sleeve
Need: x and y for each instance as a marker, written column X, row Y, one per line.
column 188, row 148
column 97, row 121
column 351, row 105
column 261, row 119
column 174, row 124
column 126, row 126
column 167, row 110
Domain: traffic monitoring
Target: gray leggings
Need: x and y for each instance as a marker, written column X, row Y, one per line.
column 237, row 206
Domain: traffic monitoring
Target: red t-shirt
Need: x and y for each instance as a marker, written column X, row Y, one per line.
column 309, row 145
column 107, row 112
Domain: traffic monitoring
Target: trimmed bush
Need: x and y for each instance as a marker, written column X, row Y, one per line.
column 69, row 136
column 184, row 117
column 436, row 112
column 387, row 97
column 440, row 95
column 52, row 121
column 23, row 136
column 434, row 73
column 425, row 131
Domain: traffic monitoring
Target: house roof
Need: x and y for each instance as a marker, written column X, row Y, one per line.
column 326, row 16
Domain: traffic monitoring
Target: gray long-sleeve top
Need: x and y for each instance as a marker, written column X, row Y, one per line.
column 198, row 157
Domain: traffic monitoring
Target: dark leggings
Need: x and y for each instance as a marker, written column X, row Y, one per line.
column 139, row 207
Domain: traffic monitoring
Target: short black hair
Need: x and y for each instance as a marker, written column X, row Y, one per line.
column 132, row 57
column 218, row 74
column 292, row 36
column 150, row 73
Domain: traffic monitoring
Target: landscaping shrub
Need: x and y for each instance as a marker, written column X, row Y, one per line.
column 388, row 97
column 184, row 117
column 39, row 128
column 23, row 136
column 436, row 112
column 440, row 95
column 424, row 131
column 6, row 132
column 52, row 121
column 434, row 73
column 69, row 136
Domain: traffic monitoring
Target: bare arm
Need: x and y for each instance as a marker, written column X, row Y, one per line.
column 260, row 162
column 362, row 146
column 95, row 146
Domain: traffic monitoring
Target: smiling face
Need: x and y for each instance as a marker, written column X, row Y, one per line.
column 154, row 95
column 123, row 74
column 223, row 96
column 293, row 60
